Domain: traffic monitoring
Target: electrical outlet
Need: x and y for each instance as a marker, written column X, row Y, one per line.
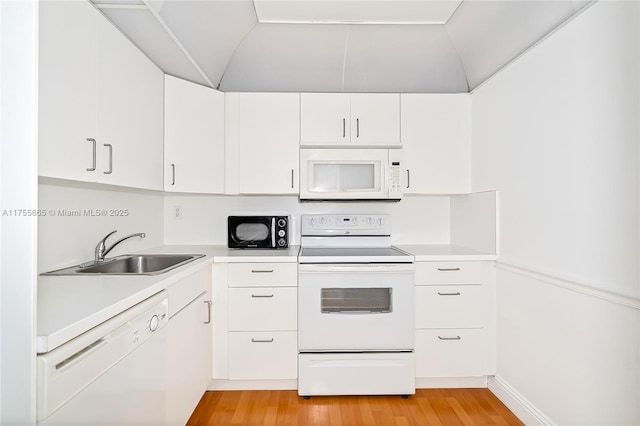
column 177, row 212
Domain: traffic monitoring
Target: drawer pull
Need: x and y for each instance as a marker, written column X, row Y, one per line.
column 261, row 271
column 448, row 269
column 262, row 295
column 262, row 340
column 450, row 338
column 457, row 293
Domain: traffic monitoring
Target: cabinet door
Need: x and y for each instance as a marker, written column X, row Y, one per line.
column 188, row 359
column 193, row 138
column 263, row 355
column 67, row 89
column 130, row 113
column 269, row 132
column 436, row 143
column 451, row 353
column 325, row 119
column 375, row 119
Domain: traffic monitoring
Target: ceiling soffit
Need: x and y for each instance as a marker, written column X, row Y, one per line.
column 222, row 44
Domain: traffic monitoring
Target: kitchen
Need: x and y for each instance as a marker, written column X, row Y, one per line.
column 567, row 276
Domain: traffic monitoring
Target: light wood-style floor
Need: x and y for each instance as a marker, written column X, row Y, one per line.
column 427, row 407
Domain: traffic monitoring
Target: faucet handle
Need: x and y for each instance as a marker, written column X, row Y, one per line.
column 104, row 240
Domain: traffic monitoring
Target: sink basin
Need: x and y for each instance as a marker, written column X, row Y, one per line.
column 139, row 264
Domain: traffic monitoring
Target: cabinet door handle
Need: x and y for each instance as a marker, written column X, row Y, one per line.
column 457, row 293
column 209, row 303
column 262, row 340
column 262, row 296
column 261, row 271
column 344, row 128
column 292, row 178
column 173, row 174
column 408, row 178
column 448, row 269
column 110, row 148
column 357, row 127
column 93, row 168
column 450, row 338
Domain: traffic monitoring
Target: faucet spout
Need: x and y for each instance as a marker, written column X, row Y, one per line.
column 102, row 250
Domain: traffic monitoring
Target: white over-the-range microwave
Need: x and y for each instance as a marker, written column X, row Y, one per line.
column 350, row 174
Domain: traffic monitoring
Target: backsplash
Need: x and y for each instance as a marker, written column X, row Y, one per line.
column 416, row 219
column 78, row 216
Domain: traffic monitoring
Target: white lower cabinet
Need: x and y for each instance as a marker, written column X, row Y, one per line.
column 454, row 319
column 189, row 345
column 263, row 355
column 257, row 338
column 450, row 353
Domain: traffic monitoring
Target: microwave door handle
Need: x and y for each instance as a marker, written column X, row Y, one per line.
column 273, row 232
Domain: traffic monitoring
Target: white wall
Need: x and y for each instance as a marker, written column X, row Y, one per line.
column 416, row 219
column 557, row 134
column 18, row 171
column 65, row 239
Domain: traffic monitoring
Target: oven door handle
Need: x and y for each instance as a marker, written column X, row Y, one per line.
column 356, row 268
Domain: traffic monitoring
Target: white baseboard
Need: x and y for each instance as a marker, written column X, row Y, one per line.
column 253, row 385
column 518, row 404
column 451, row 382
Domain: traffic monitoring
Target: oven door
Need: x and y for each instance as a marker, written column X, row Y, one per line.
column 355, row 307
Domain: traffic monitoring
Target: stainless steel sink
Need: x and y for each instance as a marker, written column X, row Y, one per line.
column 139, row 264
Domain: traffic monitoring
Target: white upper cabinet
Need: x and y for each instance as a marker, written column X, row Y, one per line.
column 100, row 116
column 130, row 112
column 193, row 138
column 436, row 143
column 262, row 138
column 67, row 90
column 345, row 120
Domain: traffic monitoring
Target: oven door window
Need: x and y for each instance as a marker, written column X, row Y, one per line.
column 356, row 300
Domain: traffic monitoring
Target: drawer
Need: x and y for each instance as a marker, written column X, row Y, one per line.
column 187, row 289
column 447, row 273
column 263, row 355
column 262, row 274
column 450, row 353
column 449, row 306
column 263, row 308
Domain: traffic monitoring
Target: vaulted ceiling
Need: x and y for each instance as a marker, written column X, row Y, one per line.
column 420, row 46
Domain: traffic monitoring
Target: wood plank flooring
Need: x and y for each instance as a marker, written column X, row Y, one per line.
column 286, row 408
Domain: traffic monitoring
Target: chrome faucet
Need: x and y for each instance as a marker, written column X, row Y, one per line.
column 102, row 250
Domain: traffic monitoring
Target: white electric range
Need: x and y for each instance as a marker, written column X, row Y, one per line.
column 355, row 308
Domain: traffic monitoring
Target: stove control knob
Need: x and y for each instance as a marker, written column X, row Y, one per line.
column 370, row 221
column 380, row 221
column 312, row 221
column 322, row 220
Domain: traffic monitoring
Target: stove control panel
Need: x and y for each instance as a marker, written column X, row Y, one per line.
column 353, row 224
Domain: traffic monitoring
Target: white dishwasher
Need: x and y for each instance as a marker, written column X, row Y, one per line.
column 111, row 374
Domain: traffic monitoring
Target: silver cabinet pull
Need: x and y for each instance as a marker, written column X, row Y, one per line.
column 173, row 174
column 292, row 178
column 262, row 340
column 110, row 148
column 93, row 168
column 344, row 127
column 261, row 296
column 408, row 178
column 448, row 269
column 209, row 303
column 450, row 338
column 357, row 127
column 457, row 293
column 261, row 271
